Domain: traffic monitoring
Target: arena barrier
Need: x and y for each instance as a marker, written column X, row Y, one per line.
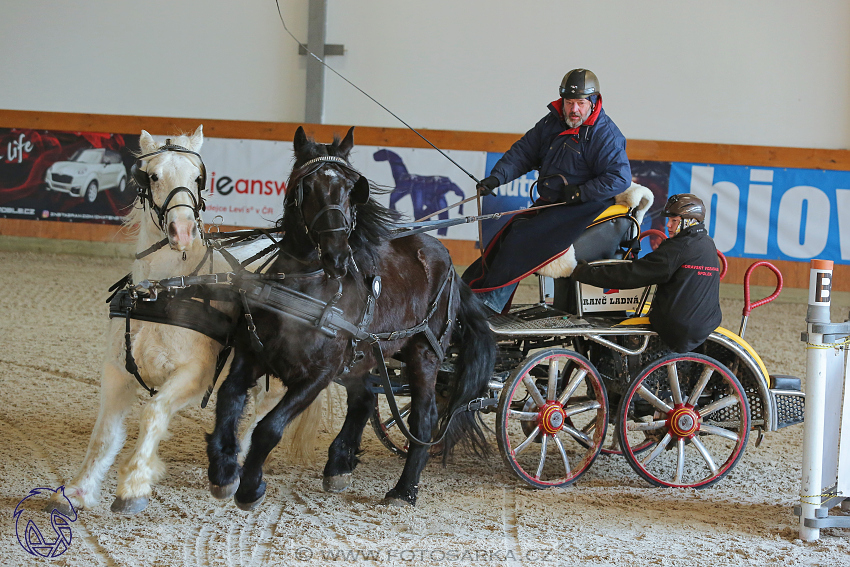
column 826, row 431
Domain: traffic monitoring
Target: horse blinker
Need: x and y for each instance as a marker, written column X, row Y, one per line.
column 360, row 191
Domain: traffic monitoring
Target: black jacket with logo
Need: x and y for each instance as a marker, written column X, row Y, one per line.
column 686, row 269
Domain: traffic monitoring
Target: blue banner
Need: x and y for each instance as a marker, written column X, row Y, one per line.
column 511, row 196
column 771, row 213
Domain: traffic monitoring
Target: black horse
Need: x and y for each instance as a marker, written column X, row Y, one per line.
column 361, row 285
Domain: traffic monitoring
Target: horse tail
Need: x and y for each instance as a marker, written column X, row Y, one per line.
column 476, row 356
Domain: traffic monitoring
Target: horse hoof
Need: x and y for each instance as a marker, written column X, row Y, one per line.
column 62, row 507
column 129, row 506
column 336, row 483
column 224, row 492
column 396, row 502
column 248, row 506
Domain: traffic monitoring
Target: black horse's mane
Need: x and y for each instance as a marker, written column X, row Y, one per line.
column 375, row 222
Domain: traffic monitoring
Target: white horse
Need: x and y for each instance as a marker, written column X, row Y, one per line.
column 177, row 362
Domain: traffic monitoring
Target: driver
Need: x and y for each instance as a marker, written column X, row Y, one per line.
column 685, row 267
column 581, row 156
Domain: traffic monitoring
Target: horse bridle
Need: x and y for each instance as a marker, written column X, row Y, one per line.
column 297, row 201
column 143, row 181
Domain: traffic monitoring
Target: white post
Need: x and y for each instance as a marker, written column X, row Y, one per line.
column 820, row 285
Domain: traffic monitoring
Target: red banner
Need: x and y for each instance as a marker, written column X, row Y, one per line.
column 65, row 176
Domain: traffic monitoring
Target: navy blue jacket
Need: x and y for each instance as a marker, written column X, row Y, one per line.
column 592, row 156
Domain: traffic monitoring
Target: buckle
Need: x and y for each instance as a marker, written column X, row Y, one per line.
column 146, row 290
column 481, row 403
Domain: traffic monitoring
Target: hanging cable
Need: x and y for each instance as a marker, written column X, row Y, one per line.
column 394, row 115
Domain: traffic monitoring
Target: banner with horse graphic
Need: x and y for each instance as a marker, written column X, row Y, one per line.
column 758, row 212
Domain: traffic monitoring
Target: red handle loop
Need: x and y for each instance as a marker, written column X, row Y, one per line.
column 748, row 307
column 724, row 265
column 652, row 232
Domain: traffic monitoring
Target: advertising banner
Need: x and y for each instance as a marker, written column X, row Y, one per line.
column 753, row 212
column 421, row 182
column 246, row 180
column 65, row 176
column 771, row 213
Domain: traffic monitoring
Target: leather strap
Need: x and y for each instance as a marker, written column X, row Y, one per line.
column 473, row 405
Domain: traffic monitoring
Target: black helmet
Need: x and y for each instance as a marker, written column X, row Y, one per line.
column 685, row 205
column 579, row 83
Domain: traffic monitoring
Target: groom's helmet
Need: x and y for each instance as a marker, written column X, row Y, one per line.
column 685, row 205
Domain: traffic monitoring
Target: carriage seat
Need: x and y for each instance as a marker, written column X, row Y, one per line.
column 612, row 235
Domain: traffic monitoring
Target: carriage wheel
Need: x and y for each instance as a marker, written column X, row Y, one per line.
column 696, row 413
column 543, row 412
column 639, row 441
column 385, row 426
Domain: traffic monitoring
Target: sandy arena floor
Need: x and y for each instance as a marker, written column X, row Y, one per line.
column 52, row 319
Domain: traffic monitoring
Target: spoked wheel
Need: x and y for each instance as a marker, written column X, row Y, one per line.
column 552, row 417
column 611, row 445
column 385, row 426
column 697, row 415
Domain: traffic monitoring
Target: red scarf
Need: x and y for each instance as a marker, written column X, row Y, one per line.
column 558, row 105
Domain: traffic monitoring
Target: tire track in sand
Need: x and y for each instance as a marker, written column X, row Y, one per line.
column 510, row 528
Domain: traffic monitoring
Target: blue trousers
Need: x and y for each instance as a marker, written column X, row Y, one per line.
column 496, row 299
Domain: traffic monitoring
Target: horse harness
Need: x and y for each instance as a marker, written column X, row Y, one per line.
column 330, row 320
column 143, row 183
column 186, row 301
column 349, row 222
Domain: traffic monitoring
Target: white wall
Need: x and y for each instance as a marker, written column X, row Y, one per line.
column 224, row 59
column 763, row 72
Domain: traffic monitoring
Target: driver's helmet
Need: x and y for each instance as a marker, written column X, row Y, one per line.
column 685, row 205
column 579, row 83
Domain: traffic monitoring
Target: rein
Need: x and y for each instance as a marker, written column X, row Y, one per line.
column 443, row 210
column 407, row 229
